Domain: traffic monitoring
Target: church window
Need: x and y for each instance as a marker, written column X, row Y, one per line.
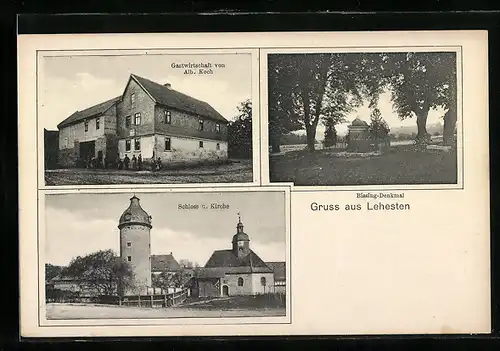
column 263, row 281
column 129, row 243
column 240, row 281
column 129, row 258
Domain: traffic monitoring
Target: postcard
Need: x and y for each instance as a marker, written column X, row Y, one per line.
column 286, row 183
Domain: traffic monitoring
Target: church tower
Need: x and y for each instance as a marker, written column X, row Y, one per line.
column 241, row 241
column 135, row 244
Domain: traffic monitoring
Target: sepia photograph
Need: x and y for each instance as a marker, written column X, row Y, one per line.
column 146, row 118
column 165, row 255
column 363, row 118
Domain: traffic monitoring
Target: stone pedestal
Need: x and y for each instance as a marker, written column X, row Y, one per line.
column 358, row 137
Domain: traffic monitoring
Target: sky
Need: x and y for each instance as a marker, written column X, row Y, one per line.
column 71, row 83
column 79, row 224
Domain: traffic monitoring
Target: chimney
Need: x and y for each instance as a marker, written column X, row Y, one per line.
column 168, row 85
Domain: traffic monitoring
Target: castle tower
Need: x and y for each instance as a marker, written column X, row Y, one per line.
column 241, row 241
column 135, row 245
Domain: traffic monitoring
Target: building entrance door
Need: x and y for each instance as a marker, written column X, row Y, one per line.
column 225, row 290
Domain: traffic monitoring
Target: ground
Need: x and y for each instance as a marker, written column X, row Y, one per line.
column 237, row 306
column 402, row 165
column 234, row 172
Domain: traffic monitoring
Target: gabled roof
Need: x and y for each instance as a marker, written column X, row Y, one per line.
column 220, row 272
column 164, row 263
column 279, row 269
column 92, row 111
column 227, row 259
column 172, row 98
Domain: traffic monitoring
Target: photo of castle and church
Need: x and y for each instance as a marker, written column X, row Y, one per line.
column 164, row 255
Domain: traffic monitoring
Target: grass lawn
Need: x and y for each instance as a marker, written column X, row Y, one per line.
column 234, row 172
column 236, row 302
column 402, row 165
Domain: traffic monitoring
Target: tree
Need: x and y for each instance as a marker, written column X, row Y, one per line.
column 379, row 129
column 240, row 132
column 186, row 263
column 52, row 271
column 305, row 88
column 330, row 134
column 419, row 82
column 283, row 112
column 100, row 273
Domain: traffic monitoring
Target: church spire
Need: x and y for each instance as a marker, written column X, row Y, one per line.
column 239, row 226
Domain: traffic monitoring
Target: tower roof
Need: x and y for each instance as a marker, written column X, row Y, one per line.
column 240, row 235
column 135, row 214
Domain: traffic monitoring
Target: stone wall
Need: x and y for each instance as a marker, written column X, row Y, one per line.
column 187, row 125
column 143, row 104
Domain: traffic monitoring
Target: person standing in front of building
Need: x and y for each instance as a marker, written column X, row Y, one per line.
column 134, row 162
column 118, row 161
column 126, row 161
column 139, row 162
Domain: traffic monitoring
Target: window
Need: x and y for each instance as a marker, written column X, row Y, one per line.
column 86, row 126
column 168, row 144
column 168, row 117
column 129, row 258
column 200, row 124
column 240, row 281
column 137, row 144
column 127, row 145
column 127, row 122
column 217, row 146
column 263, row 281
column 137, row 118
column 201, row 144
column 97, row 123
column 132, row 99
column 129, row 244
column 217, row 127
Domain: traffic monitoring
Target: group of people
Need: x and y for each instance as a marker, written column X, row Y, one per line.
column 136, row 163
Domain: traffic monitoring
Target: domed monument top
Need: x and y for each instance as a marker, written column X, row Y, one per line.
column 135, row 214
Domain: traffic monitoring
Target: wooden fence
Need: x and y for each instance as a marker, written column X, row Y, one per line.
column 154, row 300
column 164, row 300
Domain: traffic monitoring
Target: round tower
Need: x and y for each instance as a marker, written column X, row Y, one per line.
column 135, row 244
column 241, row 241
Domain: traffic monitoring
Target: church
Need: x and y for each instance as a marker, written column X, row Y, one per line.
column 235, row 271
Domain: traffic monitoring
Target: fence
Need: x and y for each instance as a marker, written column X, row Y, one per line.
column 164, row 300
column 155, row 300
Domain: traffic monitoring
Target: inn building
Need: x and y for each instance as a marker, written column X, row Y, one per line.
column 147, row 119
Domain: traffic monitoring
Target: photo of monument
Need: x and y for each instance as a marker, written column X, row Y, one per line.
column 386, row 118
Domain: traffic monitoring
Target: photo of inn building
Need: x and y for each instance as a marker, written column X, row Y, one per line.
column 148, row 119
